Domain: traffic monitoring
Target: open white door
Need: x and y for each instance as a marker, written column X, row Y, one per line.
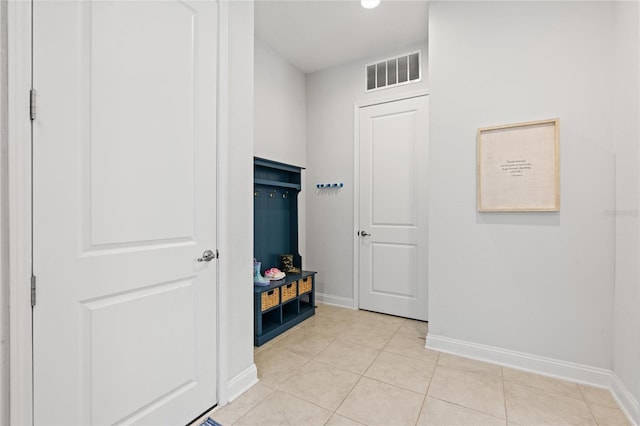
column 124, row 165
column 393, row 208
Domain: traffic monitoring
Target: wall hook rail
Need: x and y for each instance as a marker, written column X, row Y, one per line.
column 329, row 185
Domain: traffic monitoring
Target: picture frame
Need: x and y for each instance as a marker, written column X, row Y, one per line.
column 518, row 167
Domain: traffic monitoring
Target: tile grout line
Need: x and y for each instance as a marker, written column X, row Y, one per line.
column 584, row 398
column 311, row 402
column 391, row 384
column 351, row 391
column 335, row 411
column 401, row 337
column 426, row 393
column 541, row 391
column 468, row 408
column 360, row 379
column 280, row 344
column 478, row 374
column 504, row 398
column 467, row 371
column 363, row 375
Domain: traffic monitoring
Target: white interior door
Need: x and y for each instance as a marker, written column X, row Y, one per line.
column 124, row 167
column 393, row 208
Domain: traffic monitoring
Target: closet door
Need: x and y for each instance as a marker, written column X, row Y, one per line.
column 393, row 208
column 124, row 197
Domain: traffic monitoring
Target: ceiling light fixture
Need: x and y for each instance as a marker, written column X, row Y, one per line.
column 369, row 4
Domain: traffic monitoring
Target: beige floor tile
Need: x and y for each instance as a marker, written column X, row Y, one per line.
column 336, row 312
column 531, row 407
column 275, row 341
column 326, row 326
column 408, row 373
column 280, row 408
column 338, row 420
column 379, row 321
column 321, row 384
column 332, row 315
column 476, row 391
column 411, row 347
column 276, row 364
column 316, row 367
column 470, row 365
column 413, row 329
column 367, row 334
column 543, row 383
column 598, row 396
column 320, row 307
column 437, row 413
column 306, row 342
column 348, row 356
column 609, row 416
column 231, row 412
column 376, row 403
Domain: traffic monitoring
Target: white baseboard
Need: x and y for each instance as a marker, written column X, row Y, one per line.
column 625, row 399
column 328, row 299
column 242, row 382
column 579, row 373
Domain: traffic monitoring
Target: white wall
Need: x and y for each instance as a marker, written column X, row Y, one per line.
column 280, row 119
column 280, row 107
column 236, row 205
column 331, row 95
column 626, row 336
column 4, row 225
column 538, row 283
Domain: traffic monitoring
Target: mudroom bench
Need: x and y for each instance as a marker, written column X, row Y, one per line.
column 282, row 305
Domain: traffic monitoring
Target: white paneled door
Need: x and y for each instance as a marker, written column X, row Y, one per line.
column 393, row 208
column 124, row 190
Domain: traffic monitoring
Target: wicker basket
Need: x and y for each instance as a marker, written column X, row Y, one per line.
column 304, row 285
column 270, row 299
column 289, row 291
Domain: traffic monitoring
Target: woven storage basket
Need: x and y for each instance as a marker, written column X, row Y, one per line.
column 289, row 291
column 270, row 299
column 304, row 285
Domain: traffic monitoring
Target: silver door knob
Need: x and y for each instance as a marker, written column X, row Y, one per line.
column 207, row 256
column 364, row 233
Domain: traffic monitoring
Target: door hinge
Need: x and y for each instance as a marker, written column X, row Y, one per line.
column 32, row 104
column 33, row 291
column 217, row 254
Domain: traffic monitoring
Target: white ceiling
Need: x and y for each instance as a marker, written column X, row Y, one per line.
column 319, row 34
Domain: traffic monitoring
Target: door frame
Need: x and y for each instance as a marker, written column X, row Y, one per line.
column 19, row 31
column 20, row 239
column 356, row 178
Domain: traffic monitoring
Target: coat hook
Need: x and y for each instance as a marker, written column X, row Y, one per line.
column 329, row 185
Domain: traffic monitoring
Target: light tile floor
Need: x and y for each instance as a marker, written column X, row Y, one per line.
column 346, row 367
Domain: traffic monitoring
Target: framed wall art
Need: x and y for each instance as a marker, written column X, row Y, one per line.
column 518, row 167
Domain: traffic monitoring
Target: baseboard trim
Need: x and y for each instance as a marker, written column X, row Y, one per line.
column 625, row 399
column 242, row 382
column 328, row 299
column 564, row 370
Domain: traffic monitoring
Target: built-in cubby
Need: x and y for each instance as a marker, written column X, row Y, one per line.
column 287, row 302
column 271, row 320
